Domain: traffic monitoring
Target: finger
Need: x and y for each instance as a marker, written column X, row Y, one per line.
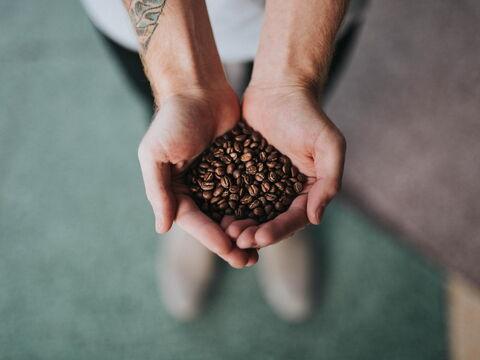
column 329, row 160
column 253, row 257
column 246, row 240
column 226, row 221
column 209, row 233
column 235, row 228
column 156, row 177
column 284, row 225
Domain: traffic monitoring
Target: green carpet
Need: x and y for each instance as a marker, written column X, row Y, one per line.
column 77, row 246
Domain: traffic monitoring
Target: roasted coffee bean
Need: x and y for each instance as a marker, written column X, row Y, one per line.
column 247, row 199
column 252, row 170
column 208, row 176
column 220, row 171
column 258, row 211
column 254, row 204
column 207, row 195
column 272, row 176
column 265, row 186
column 230, row 169
column 236, row 174
column 259, row 177
column 225, row 182
column 298, row 187
column 242, row 175
column 215, row 199
column 207, row 185
column 271, row 197
column 218, row 191
column 253, row 190
column 246, row 157
column 238, row 147
column 301, row 178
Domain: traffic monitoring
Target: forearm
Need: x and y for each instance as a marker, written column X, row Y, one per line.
column 177, row 45
column 296, row 43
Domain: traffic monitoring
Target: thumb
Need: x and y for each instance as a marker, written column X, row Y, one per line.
column 157, row 180
column 329, row 158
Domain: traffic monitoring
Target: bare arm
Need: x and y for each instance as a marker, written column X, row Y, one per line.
column 195, row 104
column 177, row 45
column 281, row 102
column 297, row 39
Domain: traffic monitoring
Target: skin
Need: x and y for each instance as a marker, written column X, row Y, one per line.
column 195, row 104
column 281, row 102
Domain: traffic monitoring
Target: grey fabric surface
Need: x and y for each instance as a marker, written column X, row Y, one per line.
column 408, row 106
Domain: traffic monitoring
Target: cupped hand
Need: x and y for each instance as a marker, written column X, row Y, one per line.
column 290, row 118
column 182, row 128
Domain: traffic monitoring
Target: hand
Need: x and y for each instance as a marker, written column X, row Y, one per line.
column 182, row 128
column 290, row 118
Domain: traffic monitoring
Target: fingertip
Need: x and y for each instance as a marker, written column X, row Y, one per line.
column 264, row 237
column 226, row 221
column 238, row 259
column 253, row 258
column 235, row 228
column 246, row 239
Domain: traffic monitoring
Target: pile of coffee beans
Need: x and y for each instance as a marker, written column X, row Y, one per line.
column 240, row 174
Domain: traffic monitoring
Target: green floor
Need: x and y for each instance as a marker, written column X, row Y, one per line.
column 77, row 246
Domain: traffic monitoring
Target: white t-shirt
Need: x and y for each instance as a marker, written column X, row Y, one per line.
column 236, row 25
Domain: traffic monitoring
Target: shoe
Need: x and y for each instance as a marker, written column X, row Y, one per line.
column 184, row 270
column 285, row 276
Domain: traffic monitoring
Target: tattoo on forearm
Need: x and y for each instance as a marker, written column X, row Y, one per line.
column 145, row 15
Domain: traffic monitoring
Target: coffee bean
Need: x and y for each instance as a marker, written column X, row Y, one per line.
column 259, row 177
column 253, row 190
column 272, row 176
column 230, row 169
column 246, row 157
column 234, row 189
column 265, row 186
column 242, row 175
column 247, row 199
column 252, row 170
column 218, row 191
column 258, row 211
column 301, row 177
column 208, row 176
column 271, row 197
column 254, row 204
column 225, row 182
column 298, row 187
column 207, row 185
column 207, row 195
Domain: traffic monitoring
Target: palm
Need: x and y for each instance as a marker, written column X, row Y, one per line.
column 292, row 121
column 181, row 129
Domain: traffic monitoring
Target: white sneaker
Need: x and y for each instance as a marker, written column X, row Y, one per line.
column 285, row 275
column 184, row 271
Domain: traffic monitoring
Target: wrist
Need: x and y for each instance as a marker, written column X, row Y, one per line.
column 184, row 74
